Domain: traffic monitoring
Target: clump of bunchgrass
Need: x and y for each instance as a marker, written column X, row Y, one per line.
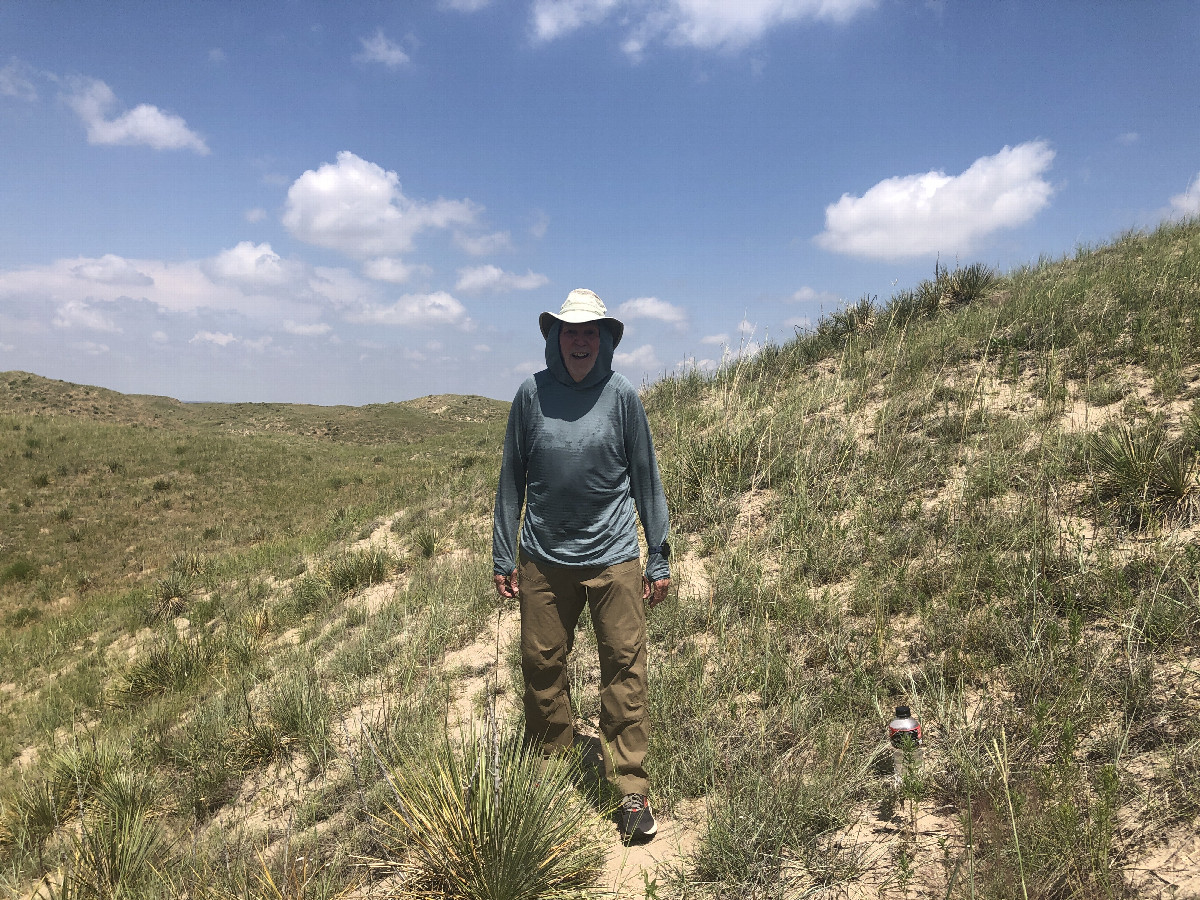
column 489, row 820
column 302, row 711
column 168, row 666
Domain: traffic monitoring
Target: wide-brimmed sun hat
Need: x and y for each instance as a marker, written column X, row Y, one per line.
column 582, row 305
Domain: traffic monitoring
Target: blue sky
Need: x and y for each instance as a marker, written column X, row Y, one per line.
column 362, row 202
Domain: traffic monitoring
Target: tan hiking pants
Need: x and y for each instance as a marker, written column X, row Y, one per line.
column 552, row 599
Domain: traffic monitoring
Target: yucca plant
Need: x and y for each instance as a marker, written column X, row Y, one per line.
column 488, row 820
column 1144, row 474
column 425, row 539
column 169, row 596
column 964, row 285
column 113, row 857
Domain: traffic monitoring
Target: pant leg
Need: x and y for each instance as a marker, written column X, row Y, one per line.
column 619, row 618
column 552, row 600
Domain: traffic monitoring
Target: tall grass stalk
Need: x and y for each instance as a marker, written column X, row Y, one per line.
column 998, row 751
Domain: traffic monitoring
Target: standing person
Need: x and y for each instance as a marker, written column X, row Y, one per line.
column 579, row 456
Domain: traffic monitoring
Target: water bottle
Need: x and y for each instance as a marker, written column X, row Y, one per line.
column 904, row 734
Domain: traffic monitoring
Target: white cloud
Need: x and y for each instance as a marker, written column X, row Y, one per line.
column 316, row 329
column 341, row 287
column 78, row 314
column 554, row 18
column 112, row 269
column 160, row 337
column 653, row 308
column 220, row 338
column 396, row 271
column 252, row 266
column 90, row 348
column 259, row 344
column 717, row 340
column 356, row 207
column 483, row 244
column 466, row 6
column 249, row 279
column 380, row 49
column 94, row 101
column 915, row 215
column 16, row 80
column 807, row 294
column 707, row 24
column 258, row 214
column 494, row 279
column 1188, row 203
column 7, row 348
column 1128, row 138
column 438, row 308
column 216, row 56
column 642, row 359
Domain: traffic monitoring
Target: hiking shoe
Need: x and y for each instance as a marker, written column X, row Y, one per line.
column 634, row 819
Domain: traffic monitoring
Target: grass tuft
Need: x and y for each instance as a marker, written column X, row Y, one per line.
column 489, row 821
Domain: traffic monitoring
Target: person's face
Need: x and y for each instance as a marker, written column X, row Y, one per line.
column 580, row 345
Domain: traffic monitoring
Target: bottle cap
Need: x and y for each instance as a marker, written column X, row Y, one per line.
column 903, row 712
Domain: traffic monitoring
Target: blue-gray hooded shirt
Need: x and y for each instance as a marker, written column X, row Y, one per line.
column 579, row 456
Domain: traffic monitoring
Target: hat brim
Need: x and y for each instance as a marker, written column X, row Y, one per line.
column 547, row 319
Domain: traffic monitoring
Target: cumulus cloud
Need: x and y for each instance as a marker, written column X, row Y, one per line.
column 91, row 348
column 807, row 294
column 396, row 271
column 438, row 308
column 357, row 208
column 915, row 215
column 78, row 314
column 480, row 279
column 1188, row 203
column 642, row 359
column 653, row 308
column 378, row 48
column 706, row 24
column 94, row 102
column 112, row 269
column 316, row 329
column 220, row 338
column 716, row 340
column 16, row 80
column 252, row 266
column 483, row 244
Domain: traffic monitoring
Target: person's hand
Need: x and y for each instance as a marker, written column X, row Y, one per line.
column 654, row 592
column 506, row 585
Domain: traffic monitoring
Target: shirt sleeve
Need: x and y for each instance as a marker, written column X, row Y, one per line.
column 646, row 486
column 510, row 492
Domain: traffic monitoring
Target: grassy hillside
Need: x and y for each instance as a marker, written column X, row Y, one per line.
column 222, row 623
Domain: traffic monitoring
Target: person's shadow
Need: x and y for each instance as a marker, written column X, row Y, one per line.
column 589, row 777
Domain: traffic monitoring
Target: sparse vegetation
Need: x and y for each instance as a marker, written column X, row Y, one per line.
column 977, row 498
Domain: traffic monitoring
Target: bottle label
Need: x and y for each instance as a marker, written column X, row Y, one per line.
column 901, row 736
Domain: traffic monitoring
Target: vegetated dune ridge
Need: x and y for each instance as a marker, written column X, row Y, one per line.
column 223, row 623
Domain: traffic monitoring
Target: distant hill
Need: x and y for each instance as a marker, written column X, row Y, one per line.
column 27, row 394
